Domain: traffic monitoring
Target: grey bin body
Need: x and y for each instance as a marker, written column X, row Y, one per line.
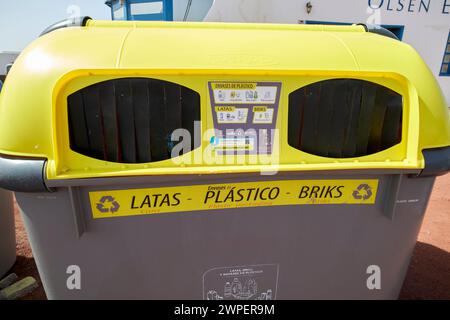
column 7, row 232
column 295, row 251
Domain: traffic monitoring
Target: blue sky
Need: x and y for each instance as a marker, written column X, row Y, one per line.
column 21, row 21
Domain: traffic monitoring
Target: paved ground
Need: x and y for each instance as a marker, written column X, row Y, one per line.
column 428, row 276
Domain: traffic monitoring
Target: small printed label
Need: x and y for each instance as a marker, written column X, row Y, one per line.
column 116, row 203
column 231, row 115
column 232, row 143
column 229, row 92
column 258, row 282
column 408, row 201
column 262, row 115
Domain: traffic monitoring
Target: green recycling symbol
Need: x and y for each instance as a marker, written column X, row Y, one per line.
column 107, row 204
column 364, row 192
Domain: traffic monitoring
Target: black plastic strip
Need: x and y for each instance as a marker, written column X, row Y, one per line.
column 353, row 103
column 125, row 115
column 173, row 113
column 294, row 116
column 77, row 123
column 392, row 121
column 378, row 116
column 339, row 122
column 157, row 124
column 190, row 113
column 325, row 110
column 141, row 109
column 311, row 117
column 92, row 113
column 110, row 122
column 365, row 115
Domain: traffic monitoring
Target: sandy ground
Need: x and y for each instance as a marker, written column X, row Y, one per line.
column 429, row 272
column 428, row 275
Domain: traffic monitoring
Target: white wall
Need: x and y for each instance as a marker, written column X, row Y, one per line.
column 426, row 31
column 197, row 12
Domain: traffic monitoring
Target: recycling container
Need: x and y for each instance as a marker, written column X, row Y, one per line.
column 7, row 232
column 164, row 160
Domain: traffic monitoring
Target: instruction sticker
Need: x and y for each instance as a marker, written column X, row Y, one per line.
column 242, row 110
column 231, row 115
column 262, row 115
column 258, row 282
column 234, row 143
column 117, row 203
column 244, row 93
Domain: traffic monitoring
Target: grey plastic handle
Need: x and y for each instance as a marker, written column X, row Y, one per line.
column 373, row 28
column 72, row 22
column 22, row 175
column 437, row 161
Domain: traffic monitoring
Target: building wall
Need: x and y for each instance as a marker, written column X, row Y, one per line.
column 426, row 22
column 198, row 10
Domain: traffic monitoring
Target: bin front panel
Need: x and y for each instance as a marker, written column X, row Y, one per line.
column 288, row 252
